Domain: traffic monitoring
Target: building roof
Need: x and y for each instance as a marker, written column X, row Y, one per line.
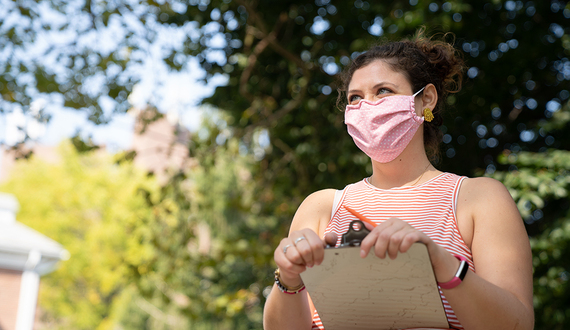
column 18, row 242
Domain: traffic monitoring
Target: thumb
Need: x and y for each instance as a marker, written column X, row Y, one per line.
column 368, row 226
column 331, row 239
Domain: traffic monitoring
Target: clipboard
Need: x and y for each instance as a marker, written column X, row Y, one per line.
column 350, row 292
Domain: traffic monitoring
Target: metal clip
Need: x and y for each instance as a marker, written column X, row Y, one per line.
column 354, row 235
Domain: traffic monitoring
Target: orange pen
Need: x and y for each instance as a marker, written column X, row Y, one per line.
column 360, row 216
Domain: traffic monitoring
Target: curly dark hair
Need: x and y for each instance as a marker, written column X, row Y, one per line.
column 422, row 60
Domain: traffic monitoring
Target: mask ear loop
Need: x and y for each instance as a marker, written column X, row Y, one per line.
column 428, row 115
column 419, row 91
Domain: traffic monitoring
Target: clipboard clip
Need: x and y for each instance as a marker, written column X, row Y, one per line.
column 354, row 235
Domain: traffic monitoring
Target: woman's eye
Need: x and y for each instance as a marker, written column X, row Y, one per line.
column 353, row 98
column 384, row 91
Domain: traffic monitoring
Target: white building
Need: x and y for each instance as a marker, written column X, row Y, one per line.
column 25, row 255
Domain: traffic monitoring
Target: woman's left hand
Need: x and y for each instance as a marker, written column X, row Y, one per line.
column 390, row 237
column 395, row 236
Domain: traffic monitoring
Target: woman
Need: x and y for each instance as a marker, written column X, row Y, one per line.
column 395, row 93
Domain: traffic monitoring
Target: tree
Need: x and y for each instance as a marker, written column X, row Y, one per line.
column 212, row 243
column 540, row 188
column 84, row 202
column 281, row 59
column 194, row 253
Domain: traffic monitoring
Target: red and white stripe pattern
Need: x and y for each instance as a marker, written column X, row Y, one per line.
column 428, row 207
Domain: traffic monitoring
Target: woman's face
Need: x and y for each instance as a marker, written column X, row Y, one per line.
column 377, row 80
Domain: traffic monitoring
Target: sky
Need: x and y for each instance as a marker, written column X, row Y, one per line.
column 182, row 94
column 176, row 94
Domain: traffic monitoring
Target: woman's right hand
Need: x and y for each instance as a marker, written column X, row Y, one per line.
column 303, row 248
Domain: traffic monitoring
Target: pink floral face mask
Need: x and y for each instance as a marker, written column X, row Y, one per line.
column 383, row 129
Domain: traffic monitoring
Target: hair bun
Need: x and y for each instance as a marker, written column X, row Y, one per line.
column 446, row 63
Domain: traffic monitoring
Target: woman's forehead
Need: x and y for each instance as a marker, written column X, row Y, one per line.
column 374, row 73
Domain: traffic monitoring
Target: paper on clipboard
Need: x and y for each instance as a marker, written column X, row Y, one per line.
column 350, row 292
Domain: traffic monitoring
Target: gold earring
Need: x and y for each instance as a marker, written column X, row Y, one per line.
column 428, row 115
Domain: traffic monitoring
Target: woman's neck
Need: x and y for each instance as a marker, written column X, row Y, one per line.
column 403, row 171
column 410, row 168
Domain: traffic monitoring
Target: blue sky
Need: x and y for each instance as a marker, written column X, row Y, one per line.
column 176, row 94
column 181, row 94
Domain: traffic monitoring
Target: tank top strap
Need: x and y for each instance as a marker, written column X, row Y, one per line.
column 339, row 196
column 456, row 193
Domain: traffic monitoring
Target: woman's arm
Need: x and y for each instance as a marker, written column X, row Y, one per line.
column 499, row 295
column 293, row 311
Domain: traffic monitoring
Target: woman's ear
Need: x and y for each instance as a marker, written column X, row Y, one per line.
column 429, row 97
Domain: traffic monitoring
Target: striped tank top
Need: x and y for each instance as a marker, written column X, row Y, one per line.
column 428, row 207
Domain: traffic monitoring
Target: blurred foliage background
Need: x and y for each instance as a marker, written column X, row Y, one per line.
column 196, row 252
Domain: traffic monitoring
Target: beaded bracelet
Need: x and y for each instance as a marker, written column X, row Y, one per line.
column 285, row 289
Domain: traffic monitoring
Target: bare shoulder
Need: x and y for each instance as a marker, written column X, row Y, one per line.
column 315, row 211
column 492, row 210
column 483, row 183
column 485, row 205
column 484, row 190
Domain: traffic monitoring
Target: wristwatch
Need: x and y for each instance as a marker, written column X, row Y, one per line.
column 459, row 275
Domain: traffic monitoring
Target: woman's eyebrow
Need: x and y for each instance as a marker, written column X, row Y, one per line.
column 353, row 91
column 380, row 84
column 383, row 83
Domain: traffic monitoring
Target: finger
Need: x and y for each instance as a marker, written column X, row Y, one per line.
column 368, row 242
column 284, row 263
column 381, row 244
column 288, row 250
column 394, row 243
column 305, row 248
column 410, row 239
column 317, row 246
column 294, row 256
column 331, row 239
column 368, row 226
column 371, row 239
column 384, row 238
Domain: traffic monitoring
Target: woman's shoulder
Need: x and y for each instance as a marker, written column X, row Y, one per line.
column 314, row 210
column 318, row 202
column 485, row 193
column 483, row 185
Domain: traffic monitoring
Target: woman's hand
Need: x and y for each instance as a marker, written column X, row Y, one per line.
column 395, row 236
column 303, row 248
column 392, row 236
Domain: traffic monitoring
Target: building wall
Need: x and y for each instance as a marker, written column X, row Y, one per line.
column 10, row 281
column 160, row 148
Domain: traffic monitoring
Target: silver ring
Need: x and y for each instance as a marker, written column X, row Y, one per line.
column 285, row 248
column 299, row 239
